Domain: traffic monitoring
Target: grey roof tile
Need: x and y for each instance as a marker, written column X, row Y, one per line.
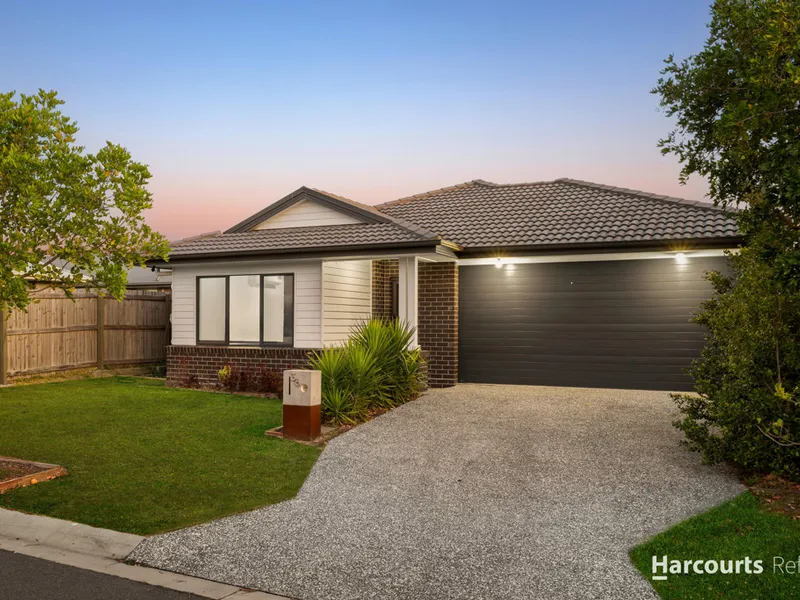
column 266, row 241
column 480, row 214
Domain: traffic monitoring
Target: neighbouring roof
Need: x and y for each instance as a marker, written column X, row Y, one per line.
column 560, row 213
column 145, row 277
column 138, row 277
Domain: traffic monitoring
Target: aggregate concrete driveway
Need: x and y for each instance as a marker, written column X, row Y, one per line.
column 470, row 492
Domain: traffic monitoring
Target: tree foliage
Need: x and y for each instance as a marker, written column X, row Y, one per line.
column 736, row 106
column 748, row 377
column 62, row 206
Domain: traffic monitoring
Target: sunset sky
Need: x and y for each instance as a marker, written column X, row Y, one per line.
column 235, row 104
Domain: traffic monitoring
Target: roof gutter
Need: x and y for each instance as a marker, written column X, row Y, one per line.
column 312, row 252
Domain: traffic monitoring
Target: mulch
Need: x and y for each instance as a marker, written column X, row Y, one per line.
column 777, row 495
column 13, row 469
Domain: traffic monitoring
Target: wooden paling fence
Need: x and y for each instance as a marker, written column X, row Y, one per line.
column 58, row 334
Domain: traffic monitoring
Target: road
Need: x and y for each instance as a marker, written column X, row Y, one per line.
column 27, row 578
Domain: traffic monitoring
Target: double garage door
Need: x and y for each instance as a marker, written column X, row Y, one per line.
column 616, row 324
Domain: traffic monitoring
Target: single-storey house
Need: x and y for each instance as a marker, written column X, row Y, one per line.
column 562, row 282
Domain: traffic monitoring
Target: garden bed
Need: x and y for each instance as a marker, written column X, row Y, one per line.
column 15, row 473
column 327, row 433
column 777, row 495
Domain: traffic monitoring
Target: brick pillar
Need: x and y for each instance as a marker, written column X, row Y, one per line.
column 383, row 271
column 438, row 321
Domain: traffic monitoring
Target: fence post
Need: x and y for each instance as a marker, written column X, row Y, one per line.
column 3, row 347
column 101, row 339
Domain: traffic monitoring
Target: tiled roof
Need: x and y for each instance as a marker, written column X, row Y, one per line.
column 301, row 239
column 564, row 212
column 482, row 215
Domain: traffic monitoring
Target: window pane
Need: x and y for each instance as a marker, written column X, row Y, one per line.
column 211, row 322
column 278, row 308
column 244, row 317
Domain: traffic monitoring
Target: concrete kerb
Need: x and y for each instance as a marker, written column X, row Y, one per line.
column 66, row 535
column 101, row 551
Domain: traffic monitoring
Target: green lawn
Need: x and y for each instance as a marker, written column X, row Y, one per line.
column 734, row 530
column 145, row 458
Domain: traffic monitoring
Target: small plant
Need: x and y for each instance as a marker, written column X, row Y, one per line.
column 224, row 376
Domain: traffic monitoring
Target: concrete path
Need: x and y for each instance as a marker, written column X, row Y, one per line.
column 471, row 492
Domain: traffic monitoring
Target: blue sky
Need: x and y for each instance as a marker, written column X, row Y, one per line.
column 235, row 104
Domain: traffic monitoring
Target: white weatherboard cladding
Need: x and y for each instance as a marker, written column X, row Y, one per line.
column 346, row 297
column 306, row 213
column 307, row 292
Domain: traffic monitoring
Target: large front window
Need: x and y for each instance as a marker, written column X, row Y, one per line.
column 245, row 309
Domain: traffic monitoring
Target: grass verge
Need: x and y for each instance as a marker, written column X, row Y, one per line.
column 144, row 458
column 734, row 530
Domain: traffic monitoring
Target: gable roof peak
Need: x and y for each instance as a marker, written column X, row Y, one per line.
column 357, row 210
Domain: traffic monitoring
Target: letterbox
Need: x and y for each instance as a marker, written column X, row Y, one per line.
column 302, row 394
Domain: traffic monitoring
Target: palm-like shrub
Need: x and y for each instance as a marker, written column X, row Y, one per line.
column 373, row 370
column 332, row 363
column 342, row 407
column 367, row 380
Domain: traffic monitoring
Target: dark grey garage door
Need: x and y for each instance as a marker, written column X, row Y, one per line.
column 622, row 324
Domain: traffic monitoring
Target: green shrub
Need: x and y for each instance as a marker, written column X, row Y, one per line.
column 748, row 376
column 373, row 370
column 342, row 407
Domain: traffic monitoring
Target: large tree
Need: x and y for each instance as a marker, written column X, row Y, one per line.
column 736, row 105
column 67, row 217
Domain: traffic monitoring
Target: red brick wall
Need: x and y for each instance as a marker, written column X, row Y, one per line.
column 438, row 321
column 201, row 364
